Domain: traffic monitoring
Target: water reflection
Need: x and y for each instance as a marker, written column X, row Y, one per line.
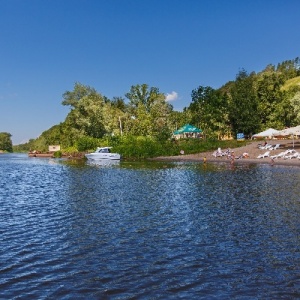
column 103, row 162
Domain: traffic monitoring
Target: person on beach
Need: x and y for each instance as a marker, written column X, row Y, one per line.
column 232, row 157
column 245, row 155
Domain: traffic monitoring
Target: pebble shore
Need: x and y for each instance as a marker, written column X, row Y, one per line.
column 252, row 149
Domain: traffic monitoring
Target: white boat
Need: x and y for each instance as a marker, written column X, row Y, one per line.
column 103, row 153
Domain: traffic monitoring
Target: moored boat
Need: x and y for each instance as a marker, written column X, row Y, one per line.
column 38, row 154
column 103, row 153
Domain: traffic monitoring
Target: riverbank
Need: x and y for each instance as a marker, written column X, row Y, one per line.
column 77, row 155
column 251, row 149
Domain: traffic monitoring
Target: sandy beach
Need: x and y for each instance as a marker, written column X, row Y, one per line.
column 253, row 151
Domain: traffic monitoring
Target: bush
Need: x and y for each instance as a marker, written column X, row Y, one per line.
column 142, row 147
column 138, row 147
column 86, row 143
column 70, row 150
column 57, row 154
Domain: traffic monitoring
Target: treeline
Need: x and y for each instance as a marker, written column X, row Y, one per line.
column 250, row 103
column 5, row 142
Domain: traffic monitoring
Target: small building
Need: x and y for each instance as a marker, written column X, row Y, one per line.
column 54, row 148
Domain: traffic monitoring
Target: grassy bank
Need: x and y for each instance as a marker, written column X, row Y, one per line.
column 141, row 148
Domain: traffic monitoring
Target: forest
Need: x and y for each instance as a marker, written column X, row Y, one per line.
column 5, row 142
column 143, row 118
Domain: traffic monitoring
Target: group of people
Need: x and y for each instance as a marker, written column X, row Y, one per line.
column 229, row 154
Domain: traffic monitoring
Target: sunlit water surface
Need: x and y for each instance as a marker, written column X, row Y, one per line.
column 69, row 230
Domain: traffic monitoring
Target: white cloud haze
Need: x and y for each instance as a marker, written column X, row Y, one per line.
column 171, row 97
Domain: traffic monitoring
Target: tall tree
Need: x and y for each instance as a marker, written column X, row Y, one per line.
column 5, row 142
column 269, row 94
column 289, row 68
column 243, row 107
column 295, row 103
column 209, row 110
column 178, row 118
column 91, row 113
column 119, row 103
column 142, row 95
column 87, row 117
column 72, row 98
column 149, row 111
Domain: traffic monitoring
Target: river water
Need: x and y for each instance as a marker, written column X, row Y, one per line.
column 69, row 230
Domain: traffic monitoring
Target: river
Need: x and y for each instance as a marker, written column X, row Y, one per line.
column 148, row 230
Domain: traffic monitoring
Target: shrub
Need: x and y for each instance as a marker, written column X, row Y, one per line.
column 57, row 154
column 86, row 143
column 70, row 150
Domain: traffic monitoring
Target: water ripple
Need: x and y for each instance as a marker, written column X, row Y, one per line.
column 144, row 231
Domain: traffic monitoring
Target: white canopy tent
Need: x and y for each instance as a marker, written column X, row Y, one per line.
column 267, row 133
column 290, row 131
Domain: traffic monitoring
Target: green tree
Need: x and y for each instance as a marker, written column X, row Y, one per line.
column 284, row 114
column 111, row 119
column 53, row 135
column 295, row 103
column 5, row 142
column 209, row 110
column 289, row 68
column 92, row 114
column 268, row 88
column 86, row 115
column 177, row 119
column 142, row 95
column 119, row 103
column 72, row 98
column 243, row 105
column 148, row 112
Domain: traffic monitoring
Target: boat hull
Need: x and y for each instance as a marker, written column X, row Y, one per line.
column 40, row 155
column 100, row 156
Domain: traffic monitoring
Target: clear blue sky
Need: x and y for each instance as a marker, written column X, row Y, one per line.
column 48, row 45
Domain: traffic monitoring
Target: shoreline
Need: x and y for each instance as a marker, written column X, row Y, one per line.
column 264, row 161
column 252, row 149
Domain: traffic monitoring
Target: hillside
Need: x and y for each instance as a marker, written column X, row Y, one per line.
column 291, row 82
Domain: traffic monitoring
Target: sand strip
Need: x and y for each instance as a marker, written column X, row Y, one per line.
column 253, row 151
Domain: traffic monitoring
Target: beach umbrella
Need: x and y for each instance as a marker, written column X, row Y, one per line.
column 267, row 133
column 290, row 131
